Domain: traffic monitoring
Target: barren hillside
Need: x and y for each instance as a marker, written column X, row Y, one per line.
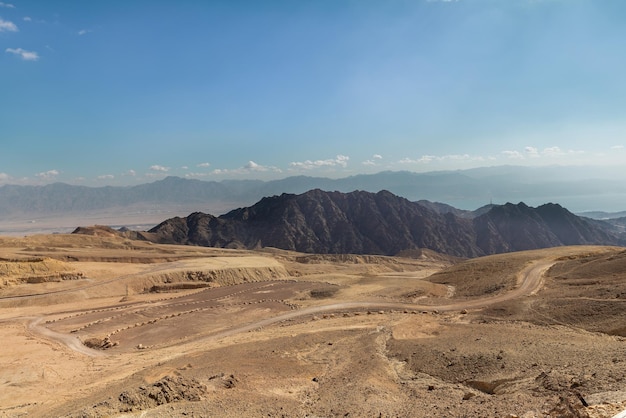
column 159, row 330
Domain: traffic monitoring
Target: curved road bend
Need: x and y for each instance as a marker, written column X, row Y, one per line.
column 70, row 341
column 531, row 282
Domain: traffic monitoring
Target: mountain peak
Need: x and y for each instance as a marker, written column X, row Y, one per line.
column 381, row 223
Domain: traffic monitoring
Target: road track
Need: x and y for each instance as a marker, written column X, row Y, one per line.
column 530, row 281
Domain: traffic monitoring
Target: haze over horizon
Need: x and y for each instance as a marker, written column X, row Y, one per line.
column 122, row 93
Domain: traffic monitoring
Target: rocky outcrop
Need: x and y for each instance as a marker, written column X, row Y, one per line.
column 169, row 389
column 35, row 270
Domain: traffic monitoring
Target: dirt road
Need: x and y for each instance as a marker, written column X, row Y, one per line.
column 71, row 341
column 529, row 282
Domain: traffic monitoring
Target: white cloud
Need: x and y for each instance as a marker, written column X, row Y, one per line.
column 196, row 175
column 7, row 26
column 552, row 151
column 4, row 177
column 27, row 19
column 48, row 175
column 203, row 165
column 338, row 161
column 424, row 159
column 514, row 155
column 617, row 147
column 106, row 177
column 547, row 153
column 26, row 55
column 161, row 168
column 531, row 151
column 83, row 32
column 446, row 160
column 250, row 167
column 7, row 5
column 373, row 161
column 130, row 172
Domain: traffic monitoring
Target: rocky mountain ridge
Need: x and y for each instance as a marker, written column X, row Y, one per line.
column 382, row 223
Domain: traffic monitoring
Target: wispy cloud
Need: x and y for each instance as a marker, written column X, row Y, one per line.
column 27, row 19
column 106, row 177
column 48, row 175
column 338, row 161
column 7, row 5
column 203, row 165
column 535, row 153
column 194, row 175
column 131, row 173
column 531, row 151
column 160, row 168
column 4, row 177
column 83, row 32
column 513, row 155
column 25, row 55
column 552, row 151
column 250, row 167
column 374, row 161
column 7, row 26
column 426, row 159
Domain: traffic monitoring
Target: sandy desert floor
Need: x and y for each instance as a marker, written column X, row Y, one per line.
column 105, row 326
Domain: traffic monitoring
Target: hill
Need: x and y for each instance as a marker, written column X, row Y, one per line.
column 380, row 223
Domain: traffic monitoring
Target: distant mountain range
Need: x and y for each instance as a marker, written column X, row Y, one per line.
column 467, row 189
column 383, row 223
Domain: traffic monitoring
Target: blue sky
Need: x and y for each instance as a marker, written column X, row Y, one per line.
column 124, row 92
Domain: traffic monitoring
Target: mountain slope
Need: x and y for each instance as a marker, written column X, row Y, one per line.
column 379, row 223
column 325, row 222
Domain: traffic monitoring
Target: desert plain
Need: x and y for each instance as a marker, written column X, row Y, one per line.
column 101, row 325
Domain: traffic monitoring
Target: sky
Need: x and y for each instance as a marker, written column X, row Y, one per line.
column 124, row 92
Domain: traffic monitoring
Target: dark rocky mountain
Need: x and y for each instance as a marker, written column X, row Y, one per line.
column 518, row 227
column 381, row 223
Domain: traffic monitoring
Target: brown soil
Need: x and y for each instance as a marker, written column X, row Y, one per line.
column 275, row 333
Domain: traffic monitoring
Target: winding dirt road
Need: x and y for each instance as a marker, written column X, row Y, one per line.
column 71, row 341
column 529, row 282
